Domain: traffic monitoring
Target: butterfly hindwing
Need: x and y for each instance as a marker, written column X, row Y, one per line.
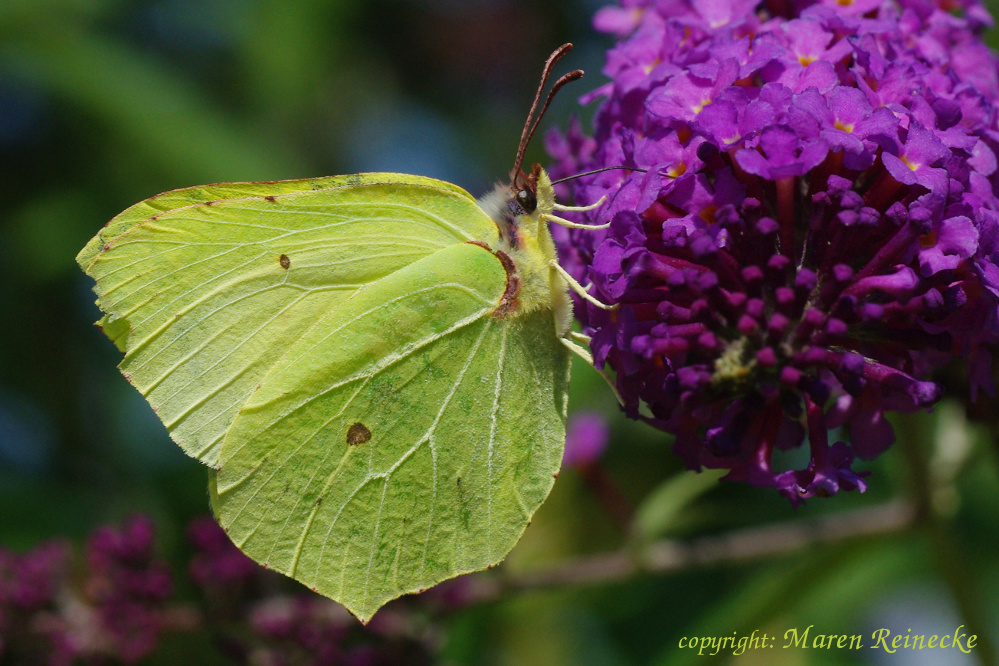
column 204, row 295
column 406, row 438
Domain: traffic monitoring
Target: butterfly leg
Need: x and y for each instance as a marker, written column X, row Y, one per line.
column 578, row 288
column 558, row 206
column 586, row 356
column 577, row 350
column 572, row 225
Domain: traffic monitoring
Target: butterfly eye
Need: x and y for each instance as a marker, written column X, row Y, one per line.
column 527, row 201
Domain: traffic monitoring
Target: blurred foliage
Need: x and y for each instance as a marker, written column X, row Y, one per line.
column 106, row 102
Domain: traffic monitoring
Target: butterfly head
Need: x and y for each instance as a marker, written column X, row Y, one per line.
column 526, row 200
column 532, row 194
column 530, row 203
column 519, row 208
column 522, row 211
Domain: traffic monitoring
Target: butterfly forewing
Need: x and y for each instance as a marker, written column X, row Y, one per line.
column 190, row 196
column 205, row 298
column 406, row 438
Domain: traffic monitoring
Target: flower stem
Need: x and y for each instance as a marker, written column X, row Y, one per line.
column 785, row 215
column 950, row 558
column 608, row 493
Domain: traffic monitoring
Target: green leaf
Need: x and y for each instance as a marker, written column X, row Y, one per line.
column 164, row 118
column 45, row 232
column 21, row 14
column 665, row 506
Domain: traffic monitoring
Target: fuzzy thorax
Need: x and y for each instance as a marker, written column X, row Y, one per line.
column 526, row 238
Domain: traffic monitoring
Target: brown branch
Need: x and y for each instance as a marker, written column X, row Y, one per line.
column 670, row 555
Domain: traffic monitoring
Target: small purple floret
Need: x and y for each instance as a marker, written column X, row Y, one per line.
column 585, row 439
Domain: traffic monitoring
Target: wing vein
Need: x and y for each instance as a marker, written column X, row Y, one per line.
column 492, row 440
column 430, row 434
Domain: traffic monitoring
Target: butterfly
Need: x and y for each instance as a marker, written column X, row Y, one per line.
column 374, row 366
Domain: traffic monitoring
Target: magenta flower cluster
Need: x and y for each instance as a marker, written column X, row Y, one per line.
column 115, row 614
column 807, row 227
column 30, row 629
column 128, row 587
column 261, row 617
column 120, row 606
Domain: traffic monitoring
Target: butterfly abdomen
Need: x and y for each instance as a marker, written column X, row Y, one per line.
column 534, row 274
column 510, row 303
column 525, row 239
column 529, row 279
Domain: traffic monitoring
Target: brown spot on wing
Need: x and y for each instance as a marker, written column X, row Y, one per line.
column 358, row 434
column 271, row 198
column 284, row 261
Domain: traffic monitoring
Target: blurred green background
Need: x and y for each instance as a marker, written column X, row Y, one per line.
column 106, row 102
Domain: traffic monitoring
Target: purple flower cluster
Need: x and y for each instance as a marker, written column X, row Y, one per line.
column 807, row 228
column 217, row 564
column 120, row 605
column 310, row 630
column 128, row 587
column 261, row 617
column 30, row 627
column 116, row 613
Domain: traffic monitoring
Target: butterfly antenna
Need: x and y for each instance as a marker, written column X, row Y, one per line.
column 590, row 173
column 531, row 124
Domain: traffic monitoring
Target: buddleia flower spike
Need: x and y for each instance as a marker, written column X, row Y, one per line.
column 811, row 226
